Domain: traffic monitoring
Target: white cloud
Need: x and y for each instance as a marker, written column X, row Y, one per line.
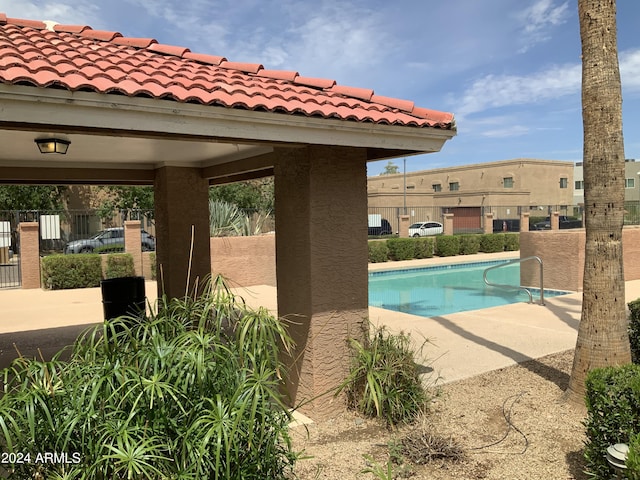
column 61, row 12
column 539, row 19
column 630, row 69
column 508, row 131
column 494, row 91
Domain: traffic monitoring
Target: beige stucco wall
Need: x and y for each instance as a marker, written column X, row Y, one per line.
column 245, row 261
column 562, row 253
column 535, row 182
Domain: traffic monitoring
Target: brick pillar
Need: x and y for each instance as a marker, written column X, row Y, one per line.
column 488, row 222
column 181, row 198
column 30, row 254
column 133, row 243
column 555, row 221
column 322, row 257
column 403, row 229
column 524, row 222
column 447, row 224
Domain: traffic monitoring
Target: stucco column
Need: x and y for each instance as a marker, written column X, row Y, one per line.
column 555, row 221
column 182, row 218
column 524, row 222
column 488, row 222
column 403, row 229
column 29, row 254
column 133, row 243
column 321, row 253
column 447, row 224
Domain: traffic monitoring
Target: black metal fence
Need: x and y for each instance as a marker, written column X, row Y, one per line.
column 59, row 227
column 505, row 218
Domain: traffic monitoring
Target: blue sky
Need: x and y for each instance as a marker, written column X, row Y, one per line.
column 508, row 69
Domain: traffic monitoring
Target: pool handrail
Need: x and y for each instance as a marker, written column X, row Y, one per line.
column 513, row 287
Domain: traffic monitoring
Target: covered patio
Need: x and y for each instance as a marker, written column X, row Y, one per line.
column 138, row 112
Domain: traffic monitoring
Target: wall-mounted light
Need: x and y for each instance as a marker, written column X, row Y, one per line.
column 52, row 145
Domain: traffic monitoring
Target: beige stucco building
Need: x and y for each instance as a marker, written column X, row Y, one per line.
column 504, row 187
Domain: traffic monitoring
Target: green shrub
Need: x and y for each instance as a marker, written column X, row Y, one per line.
column 80, row 270
column 154, row 266
column 512, row 242
column 634, row 329
column 469, row 244
column 190, row 393
column 492, row 242
column 401, row 248
column 120, row 265
column 384, row 380
column 378, row 252
column 424, row 247
column 447, row 245
column 613, row 414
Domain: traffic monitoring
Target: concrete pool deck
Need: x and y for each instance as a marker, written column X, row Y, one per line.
column 463, row 344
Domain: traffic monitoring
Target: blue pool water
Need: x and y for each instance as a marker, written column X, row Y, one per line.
column 433, row 291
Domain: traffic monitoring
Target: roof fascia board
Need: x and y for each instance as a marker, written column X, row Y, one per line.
column 24, row 104
column 71, row 176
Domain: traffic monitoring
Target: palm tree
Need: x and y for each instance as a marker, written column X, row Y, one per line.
column 602, row 337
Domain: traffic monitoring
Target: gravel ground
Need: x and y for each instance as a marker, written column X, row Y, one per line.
column 510, row 424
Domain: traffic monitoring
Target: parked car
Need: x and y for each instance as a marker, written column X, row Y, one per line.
column 384, row 228
column 424, row 229
column 564, row 222
column 109, row 240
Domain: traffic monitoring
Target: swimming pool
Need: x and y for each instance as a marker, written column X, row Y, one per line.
column 439, row 290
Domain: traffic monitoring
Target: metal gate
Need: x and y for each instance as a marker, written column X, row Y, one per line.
column 10, row 275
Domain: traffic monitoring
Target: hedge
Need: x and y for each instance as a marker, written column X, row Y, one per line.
column 401, row 248
column 447, row 245
column 613, row 416
column 425, row 247
column 492, row 242
column 469, row 244
column 79, row 270
column 120, row 265
column 378, row 252
column 634, row 329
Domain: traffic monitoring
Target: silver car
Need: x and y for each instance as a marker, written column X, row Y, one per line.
column 109, row 240
column 424, row 229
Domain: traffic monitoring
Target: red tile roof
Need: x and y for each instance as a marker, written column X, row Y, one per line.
column 76, row 57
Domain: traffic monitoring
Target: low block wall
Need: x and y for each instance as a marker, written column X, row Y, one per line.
column 245, row 261
column 562, row 253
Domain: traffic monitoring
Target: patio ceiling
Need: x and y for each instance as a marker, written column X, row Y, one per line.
column 129, row 106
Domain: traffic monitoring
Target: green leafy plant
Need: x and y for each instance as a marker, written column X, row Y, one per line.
column 384, row 379
column 119, row 265
column 634, row 329
column 512, row 242
column 71, row 271
column 401, row 248
column 191, row 392
column 424, row 247
column 378, row 251
column 492, row 242
column 469, row 244
column 613, row 414
column 226, row 219
column 447, row 245
column 381, row 472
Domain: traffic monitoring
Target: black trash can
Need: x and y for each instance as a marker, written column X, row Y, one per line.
column 123, row 296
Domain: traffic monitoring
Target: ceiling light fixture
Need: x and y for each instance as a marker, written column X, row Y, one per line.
column 52, row 145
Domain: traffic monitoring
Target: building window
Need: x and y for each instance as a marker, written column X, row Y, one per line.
column 564, row 183
column 629, row 183
column 507, row 182
column 454, row 186
column 579, row 184
column 436, row 187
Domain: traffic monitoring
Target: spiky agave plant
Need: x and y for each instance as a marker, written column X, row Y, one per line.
column 191, row 392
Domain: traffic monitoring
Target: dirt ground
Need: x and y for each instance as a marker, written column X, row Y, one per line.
column 511, row 424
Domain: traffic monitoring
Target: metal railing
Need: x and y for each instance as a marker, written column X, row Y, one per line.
column 519, row 287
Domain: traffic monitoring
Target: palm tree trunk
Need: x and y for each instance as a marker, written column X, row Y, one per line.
column 602, row 337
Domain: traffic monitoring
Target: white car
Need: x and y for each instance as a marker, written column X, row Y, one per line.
column 424, row 229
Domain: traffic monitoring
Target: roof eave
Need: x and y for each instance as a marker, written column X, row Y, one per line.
column 89, row 111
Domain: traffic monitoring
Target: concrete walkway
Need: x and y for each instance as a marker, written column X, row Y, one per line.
column 463, row 344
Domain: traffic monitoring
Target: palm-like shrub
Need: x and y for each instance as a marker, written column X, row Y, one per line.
column 384, row 379
column 226, row 219
column 189, row 393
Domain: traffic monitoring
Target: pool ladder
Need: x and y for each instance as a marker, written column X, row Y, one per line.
column 513, row 287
